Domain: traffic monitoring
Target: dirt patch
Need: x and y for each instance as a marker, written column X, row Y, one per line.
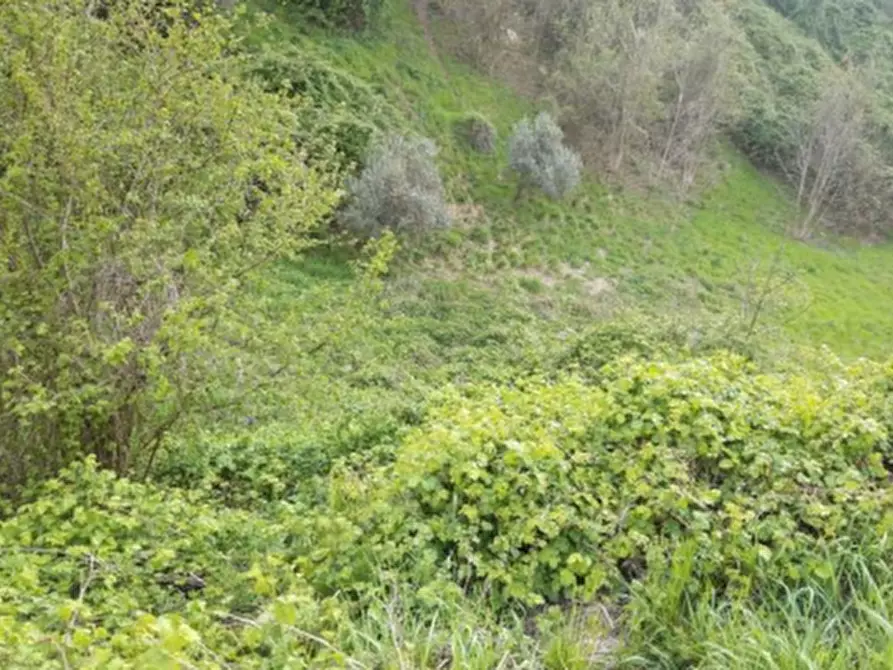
column 587, row 285
column 603, row 645
column 465, row 216
column 598, row 286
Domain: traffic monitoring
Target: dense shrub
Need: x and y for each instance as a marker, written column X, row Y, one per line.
column 102, row 573
column 527, row 493
column 336, row 109
column 647, row 337
column 562, row 490
column 140, row 188
column 346, row 14
column 477, row 132
column 399, row 189
column 782, row 81
column 538, row 154
column 99, row 572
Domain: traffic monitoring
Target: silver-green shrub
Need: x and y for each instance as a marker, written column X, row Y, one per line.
column 399, row 189
column 538, row 154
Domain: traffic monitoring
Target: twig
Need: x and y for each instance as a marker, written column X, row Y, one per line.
column 62, row 655
column 63, row 230
column 328, row 645
column 395, row 636
column 35, row 250
column 85, row 585
column 309, row 636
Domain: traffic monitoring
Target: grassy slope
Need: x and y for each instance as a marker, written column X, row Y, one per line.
column 662, row 255
column 509, row 291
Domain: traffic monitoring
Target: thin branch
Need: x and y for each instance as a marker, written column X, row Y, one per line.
column 85, row 585
column 302, row 633
column 35, row 250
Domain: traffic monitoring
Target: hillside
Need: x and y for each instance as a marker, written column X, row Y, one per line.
column 637, row 426
column 702, row 255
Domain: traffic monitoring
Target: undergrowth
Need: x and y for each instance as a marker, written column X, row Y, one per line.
column 414, row 486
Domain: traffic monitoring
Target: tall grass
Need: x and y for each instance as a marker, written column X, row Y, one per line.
column 841, row 621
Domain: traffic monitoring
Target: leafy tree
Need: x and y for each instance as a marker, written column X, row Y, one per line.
column 142, row 181
column 827, row 145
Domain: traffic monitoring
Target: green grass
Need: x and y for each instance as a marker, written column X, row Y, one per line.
column 509, row 293
column 835, row 624
column 506, row 294
column 704, row 256
column 511, row 290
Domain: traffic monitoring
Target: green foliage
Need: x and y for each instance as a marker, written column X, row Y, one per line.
column 476, row 132
column 335, row 107
column 98, row 572
column 841, row 26
column 839, row 620
column 648, row 338
column 538, row 154
column 141, row 186
column 543, row 492
column 353, row 15
column 782, row 71
column 399, row 189
column 350, row 513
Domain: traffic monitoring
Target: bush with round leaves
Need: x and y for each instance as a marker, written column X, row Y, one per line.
column 547, row 491
column 100, row 572
column 353, row 15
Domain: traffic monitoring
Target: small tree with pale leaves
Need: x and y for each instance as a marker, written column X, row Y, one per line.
column 399, row 189
column 538, row 154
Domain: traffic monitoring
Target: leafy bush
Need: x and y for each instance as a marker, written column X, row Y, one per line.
column 399, row 189
column 542, row 492
column 538, row 154
column 783, row 82
column 101, row 572
column 335, row 108
column 346, row 14
column 640, row 336
column 522, row 494
column 140, row 188
column 648, row 336
column 477, row 132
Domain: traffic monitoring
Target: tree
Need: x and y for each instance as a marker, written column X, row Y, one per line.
column 142, row 182
column 699, row 80
column 612, row 77
column 538, row 154
column 399, row 189
column 826, row 143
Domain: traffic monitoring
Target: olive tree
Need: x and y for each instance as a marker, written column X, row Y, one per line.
column 399, row 189
column 537, row 153
column 142, row 181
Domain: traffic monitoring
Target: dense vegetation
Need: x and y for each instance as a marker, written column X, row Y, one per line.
column 322, row 347
column 645, row 86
